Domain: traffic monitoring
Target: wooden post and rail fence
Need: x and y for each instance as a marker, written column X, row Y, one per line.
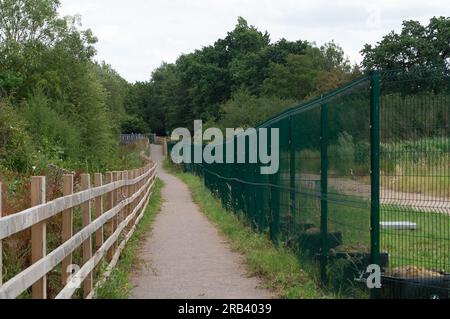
column 130, row 139
column 110, row 210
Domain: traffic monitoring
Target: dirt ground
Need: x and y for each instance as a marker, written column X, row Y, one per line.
column 413, row 201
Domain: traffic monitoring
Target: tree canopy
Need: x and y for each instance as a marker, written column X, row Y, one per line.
column 415, row 45
column 202, row 84
column 71, row 106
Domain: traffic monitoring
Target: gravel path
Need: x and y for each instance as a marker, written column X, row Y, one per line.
column 185, row 257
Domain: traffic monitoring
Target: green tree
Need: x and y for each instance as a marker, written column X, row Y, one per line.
column 296, row 78
column 37, row 46
column 415, row 45
column 207, row 83
column 72, row 106
column 245, row 110
column 334, row 57
column 117, row 89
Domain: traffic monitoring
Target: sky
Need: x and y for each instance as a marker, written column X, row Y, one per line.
column 136, row 36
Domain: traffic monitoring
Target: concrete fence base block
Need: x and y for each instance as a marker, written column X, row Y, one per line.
column 399, row 226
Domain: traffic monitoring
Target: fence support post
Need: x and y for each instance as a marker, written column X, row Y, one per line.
column 324, row 191
column 38, row 236
column 128, row 192
column 98, row 182
column 116, row 200
column 293, row 173
column 375, row 172
column 87, row 244
column 67, row 227
column 274, row 200
column 109, row 204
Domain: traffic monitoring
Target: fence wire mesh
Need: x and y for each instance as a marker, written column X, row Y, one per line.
column 415, row 189
column 331, row 203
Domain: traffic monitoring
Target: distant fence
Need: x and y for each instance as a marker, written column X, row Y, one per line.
column 109, row 211
column 163, row 142
column 126, row 139
column 364, row 179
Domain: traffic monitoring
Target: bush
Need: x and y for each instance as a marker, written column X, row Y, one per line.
column 54, row 135
column 343, row 154
column 245, row 110
column 95, row 124
column 133, row 124
column 16, row 149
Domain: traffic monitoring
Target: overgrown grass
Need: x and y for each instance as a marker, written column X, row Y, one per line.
column 118, row 285
column 279, row 268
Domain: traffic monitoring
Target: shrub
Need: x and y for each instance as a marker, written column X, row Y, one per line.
column 245, row 110
column 16, row 148
column 54, row 135
column 343, row 154
column 134, row 124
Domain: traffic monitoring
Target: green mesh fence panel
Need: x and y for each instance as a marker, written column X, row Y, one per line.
column 306, row 144
column 349, row 188
column 323, row 202
column 415, row 189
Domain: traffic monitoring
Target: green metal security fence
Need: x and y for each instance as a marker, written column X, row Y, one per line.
column 363, row 180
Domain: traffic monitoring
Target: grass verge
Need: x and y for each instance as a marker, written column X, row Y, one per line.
column 118, row 285
column 279, row 268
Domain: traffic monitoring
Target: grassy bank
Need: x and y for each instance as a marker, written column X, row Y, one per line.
column 279, row 268
column 118, row 285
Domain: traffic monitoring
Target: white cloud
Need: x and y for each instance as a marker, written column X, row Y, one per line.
column 135, row 36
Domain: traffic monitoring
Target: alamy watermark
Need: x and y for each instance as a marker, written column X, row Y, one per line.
column 230, row 149
column 374, row 279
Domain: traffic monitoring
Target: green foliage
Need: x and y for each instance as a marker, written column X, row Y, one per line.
column 296, row 78
column 343, row 154
column 16, row 148
column 245, row 110
column 53, row 135
column 72, row 107
column 207, row 83
column 95, row 122
column 416, row 45
column 116, row 91
column 133, row 125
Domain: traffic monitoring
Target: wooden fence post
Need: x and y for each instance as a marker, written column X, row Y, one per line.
column 67, row 227
column 87, row 244
column 128, row 176
column 133, row 189
column 139, row 185
column 124, row 177
column 98, row 182
column 116, row 195
column 143, row 183
column 109, row 205
column 38, row 236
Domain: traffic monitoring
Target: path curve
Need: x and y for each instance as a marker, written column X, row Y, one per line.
column 185, row 257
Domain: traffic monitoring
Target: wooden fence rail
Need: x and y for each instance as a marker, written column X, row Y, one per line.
column 118, row 206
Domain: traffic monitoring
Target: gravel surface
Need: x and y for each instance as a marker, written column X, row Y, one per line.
column 185, row 257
